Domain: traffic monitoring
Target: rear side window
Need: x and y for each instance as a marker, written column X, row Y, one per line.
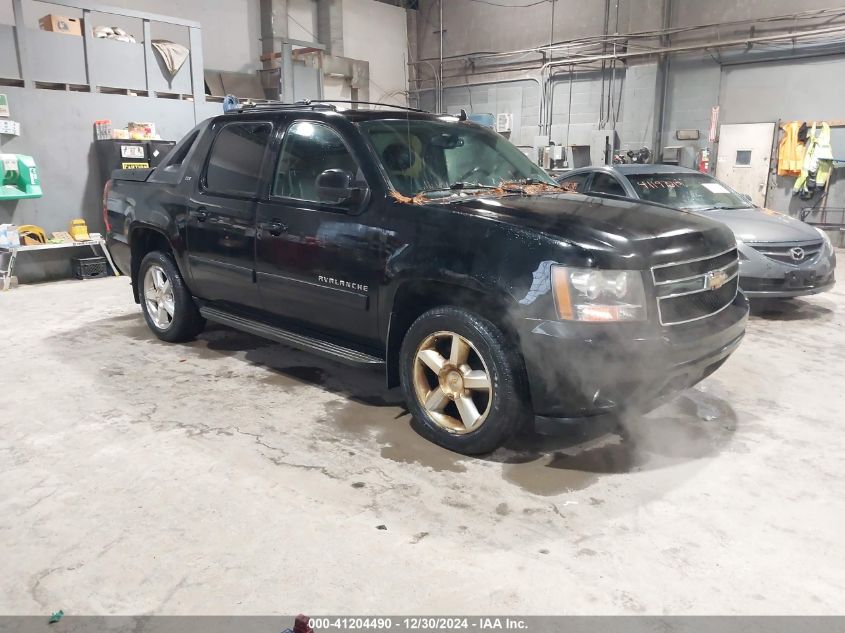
column 180, row 151
column 234, row 164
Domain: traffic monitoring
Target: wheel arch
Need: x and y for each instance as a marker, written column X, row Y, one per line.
column 413, row 297
column 144, row 239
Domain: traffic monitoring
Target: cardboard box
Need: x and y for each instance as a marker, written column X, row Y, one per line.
column 61, row 24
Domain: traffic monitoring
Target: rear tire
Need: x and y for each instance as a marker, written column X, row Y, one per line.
column 167, row 304
column 463, row 381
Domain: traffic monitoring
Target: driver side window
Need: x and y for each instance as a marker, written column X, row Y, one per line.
column 605, row 183
column 308, row 150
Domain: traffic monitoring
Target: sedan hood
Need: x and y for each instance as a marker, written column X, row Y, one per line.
column 753, row 224
column 617, row 227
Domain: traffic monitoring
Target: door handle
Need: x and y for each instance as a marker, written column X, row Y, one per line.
column 201, row 214
column 276, row 228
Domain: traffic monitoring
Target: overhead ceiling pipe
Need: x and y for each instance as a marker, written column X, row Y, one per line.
column 579, row 60
column 599, row 40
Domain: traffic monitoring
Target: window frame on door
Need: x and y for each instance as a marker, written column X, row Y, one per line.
column 612, row 176
column 240, row 195
column 586, row 175
column 737, row 164
column 279, row 142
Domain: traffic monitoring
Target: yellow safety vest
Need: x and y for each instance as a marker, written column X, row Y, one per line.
column 790, row 151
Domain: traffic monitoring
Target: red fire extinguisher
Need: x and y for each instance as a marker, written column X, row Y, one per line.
column 704, row 161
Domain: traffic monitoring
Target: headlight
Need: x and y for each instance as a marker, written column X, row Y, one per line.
column 588, row 294
column 825, row 237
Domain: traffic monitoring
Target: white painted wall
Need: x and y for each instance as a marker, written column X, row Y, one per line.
column 302, row 20
column 378, row 33
column 231, row 29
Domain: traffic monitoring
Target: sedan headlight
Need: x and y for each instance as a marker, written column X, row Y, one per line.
column 588, row 294
column 825, row 238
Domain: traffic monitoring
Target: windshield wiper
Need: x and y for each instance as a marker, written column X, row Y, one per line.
column 718, row 207
column 527, row 182
column 457, row 186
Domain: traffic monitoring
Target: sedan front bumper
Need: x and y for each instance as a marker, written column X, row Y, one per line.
column 763, row 277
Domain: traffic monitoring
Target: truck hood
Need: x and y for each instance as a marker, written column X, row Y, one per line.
column 753, row 224
column 620, row 228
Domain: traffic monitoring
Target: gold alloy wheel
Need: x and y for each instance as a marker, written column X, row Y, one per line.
column 452, row 383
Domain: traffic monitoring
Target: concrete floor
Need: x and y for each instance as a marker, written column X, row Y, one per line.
column 232, row 475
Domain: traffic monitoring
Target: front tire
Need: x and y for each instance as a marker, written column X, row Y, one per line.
column 463, row 381
column 167, row 304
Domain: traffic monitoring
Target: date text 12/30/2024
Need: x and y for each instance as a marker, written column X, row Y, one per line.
column 417, row 624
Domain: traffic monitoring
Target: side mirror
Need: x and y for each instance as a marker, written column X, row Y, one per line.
column 746, row 197
column 336, row 186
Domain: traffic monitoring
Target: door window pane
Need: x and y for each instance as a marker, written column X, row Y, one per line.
column 605, row 183
column 234, row 165
column 574, row 183
column 743, row 158
column 310, row 149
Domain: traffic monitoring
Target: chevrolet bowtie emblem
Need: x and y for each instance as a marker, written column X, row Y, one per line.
column 715, row 279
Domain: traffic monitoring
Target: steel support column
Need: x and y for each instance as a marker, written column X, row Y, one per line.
column 330, row 25
column 275, row 56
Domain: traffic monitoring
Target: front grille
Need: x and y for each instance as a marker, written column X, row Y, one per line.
column 697, row 305
column 683, row 270
column 794, row 253
column 793, row 280
column 695, row 289
column 762, row 284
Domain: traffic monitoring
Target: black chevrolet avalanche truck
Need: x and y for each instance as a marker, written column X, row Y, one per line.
column 432, row 249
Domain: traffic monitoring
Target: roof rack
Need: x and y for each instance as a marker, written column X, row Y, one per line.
column 279, row 105
column 370, row 103
column 315, row 104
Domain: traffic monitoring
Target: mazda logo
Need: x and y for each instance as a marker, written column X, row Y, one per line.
column 796, row 253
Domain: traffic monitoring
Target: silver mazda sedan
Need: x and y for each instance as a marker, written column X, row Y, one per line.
column 779, row 256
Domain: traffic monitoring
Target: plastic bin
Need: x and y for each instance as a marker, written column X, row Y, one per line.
column 90, row 267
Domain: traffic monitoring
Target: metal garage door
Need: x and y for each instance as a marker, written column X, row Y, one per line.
column 743, row 159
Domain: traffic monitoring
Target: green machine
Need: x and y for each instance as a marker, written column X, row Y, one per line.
column 19, row 177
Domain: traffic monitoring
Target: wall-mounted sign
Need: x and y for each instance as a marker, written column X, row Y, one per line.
column 4, row 105
column 10, row 127
column 132, row 151
column 687, row 135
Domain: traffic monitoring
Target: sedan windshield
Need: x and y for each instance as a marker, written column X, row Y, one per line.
column 443, row 158
column 689, row 191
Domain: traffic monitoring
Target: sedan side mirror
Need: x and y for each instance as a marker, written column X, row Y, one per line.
column 746, row 197
column 337, row 186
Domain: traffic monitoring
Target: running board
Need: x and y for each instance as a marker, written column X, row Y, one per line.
column 318, row 346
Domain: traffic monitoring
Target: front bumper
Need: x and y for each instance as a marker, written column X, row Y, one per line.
column 762, row 277
column 577, row 370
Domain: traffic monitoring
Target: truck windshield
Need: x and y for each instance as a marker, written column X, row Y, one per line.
column 439, row 158
column 688, row 191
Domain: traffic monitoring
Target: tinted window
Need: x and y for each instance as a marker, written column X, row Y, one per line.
column 574, row 183
column 180, row 151
column 605, row 183
column 308, row 150
column 234, row 165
